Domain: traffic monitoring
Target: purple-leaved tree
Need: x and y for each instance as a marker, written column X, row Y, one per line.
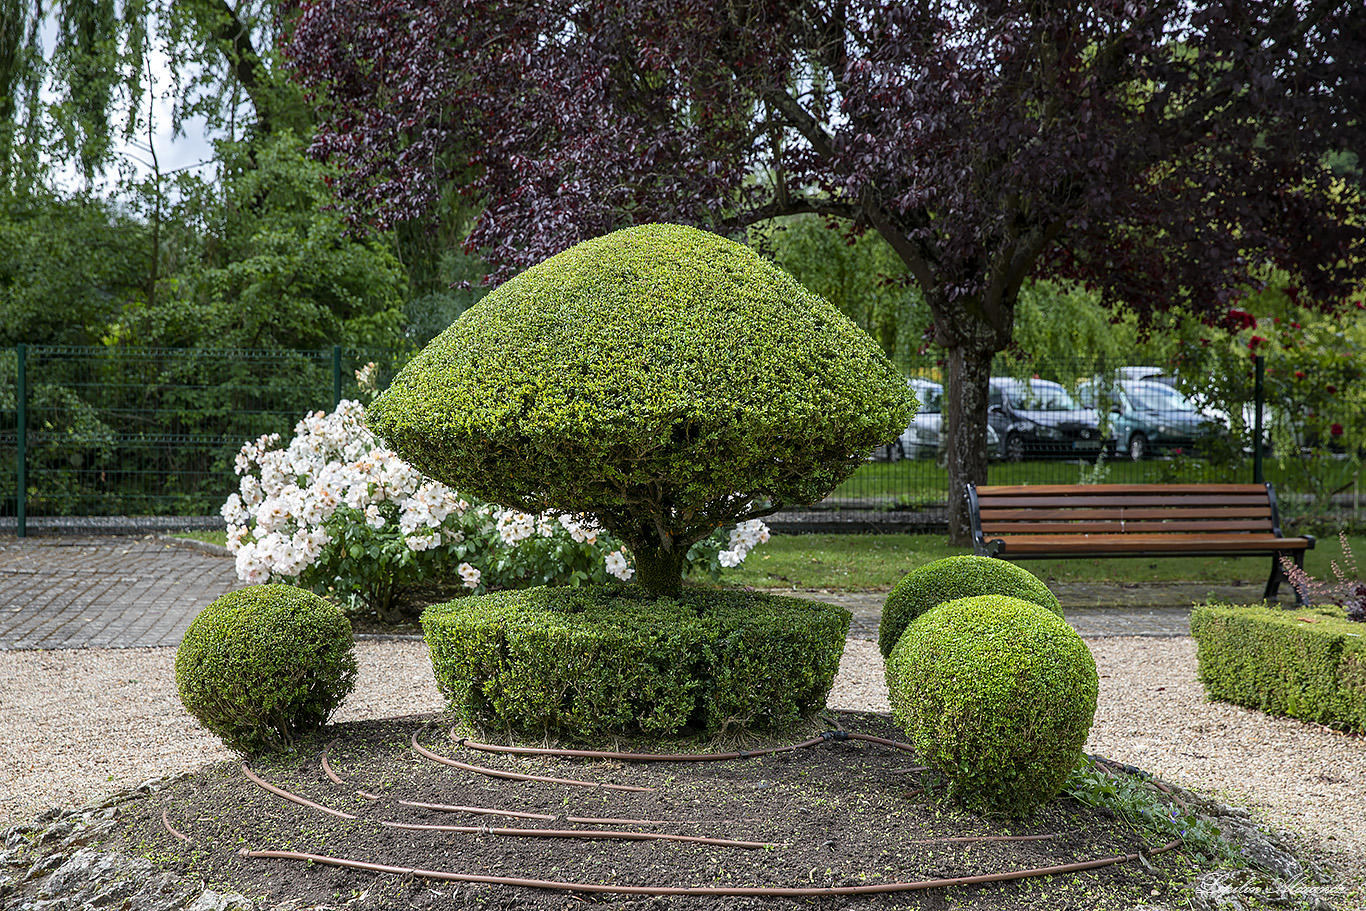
column 1165, row 153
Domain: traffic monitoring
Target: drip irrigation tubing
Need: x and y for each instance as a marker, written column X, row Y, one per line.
column 169, row 828
column 548, row 817
column 826, row 737
column 295, row 798
column 758, row 891
column 586, row 834
column 327, row 768
column 517, row 776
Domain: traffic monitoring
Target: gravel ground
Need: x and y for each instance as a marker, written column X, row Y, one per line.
column 81, row 723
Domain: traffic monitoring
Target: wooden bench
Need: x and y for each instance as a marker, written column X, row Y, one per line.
column 1035, row 522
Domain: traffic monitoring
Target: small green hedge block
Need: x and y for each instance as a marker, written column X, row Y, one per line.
column 599, row 660
column 262, row 665
column 998, row 695
column 950, row 579
column 1274, row 661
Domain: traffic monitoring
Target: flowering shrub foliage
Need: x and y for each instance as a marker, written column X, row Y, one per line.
column 336, row 512
column 1347, row 592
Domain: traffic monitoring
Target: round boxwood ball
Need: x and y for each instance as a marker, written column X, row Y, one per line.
column 264, row 664
column 998, row 695
column 950, row 579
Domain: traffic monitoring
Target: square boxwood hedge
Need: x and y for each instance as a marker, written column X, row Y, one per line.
column 601, row 660
column 1308, row 663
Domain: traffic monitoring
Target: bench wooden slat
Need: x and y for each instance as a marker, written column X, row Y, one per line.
column 1128, row 528
column 1118, row 489
column 997, row 514
column 988, row 501
column 1100, row 545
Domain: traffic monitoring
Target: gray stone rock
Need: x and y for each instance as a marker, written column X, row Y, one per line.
column 88, row 870
column 214, row 901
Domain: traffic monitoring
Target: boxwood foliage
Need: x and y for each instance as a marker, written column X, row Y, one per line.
column 602, row 660
column 998, row 695
column 1308, row 663
column 662, row 379
column 950, row 579
column 262, row 665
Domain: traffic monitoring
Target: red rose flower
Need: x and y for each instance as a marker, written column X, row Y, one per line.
column 1299, row 374
column 1336, row 430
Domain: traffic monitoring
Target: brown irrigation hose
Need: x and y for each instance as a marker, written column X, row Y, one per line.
column 327, row 768
column 587, row 834
column 578, row 820
column 301, row 801
column 517, row 775
column 167, row 823
column 681, row 757
column 710, row 890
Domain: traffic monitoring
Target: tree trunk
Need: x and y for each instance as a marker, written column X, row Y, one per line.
column 660, row 571
column 965, row 387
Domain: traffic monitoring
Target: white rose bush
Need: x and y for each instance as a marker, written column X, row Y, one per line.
column 336, row 512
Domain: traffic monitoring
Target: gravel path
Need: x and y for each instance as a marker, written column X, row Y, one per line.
column 81, row 723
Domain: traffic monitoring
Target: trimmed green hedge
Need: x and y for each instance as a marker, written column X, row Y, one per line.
column 998, row 695
column 598, row 660
column 1273, row 661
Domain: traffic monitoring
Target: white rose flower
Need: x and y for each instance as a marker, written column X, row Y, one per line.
column 469, row 575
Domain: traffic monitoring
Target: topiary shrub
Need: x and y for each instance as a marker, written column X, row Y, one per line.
column 601, row 660
column 664, row 380
column 1309, row 663
column 264, row 664
column 950, row 579
column 998, row 695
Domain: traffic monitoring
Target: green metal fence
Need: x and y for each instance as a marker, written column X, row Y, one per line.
column 97, row 432
column 151, row 431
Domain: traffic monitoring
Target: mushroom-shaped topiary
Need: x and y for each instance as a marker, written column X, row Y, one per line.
column 998, row 695
column 950, row 579
column 662, row 379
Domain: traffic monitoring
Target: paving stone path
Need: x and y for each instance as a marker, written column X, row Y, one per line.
column 136, row 591
column 115, row 592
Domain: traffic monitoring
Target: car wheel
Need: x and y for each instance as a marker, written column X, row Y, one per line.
column 1015, row 448
column 895, row 451
column 1138, row 447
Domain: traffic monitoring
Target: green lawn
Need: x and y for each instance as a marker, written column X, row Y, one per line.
column 877, row 562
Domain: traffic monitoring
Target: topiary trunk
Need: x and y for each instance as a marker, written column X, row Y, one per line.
column 660, row 572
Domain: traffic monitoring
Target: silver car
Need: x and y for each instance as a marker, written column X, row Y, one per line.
column 924, row 438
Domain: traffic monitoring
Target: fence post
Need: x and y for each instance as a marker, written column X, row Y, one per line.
column 336, row 376
column 21, row 449
column 1257, row 394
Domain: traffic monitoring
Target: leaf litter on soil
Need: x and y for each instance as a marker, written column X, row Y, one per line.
column 845, row 813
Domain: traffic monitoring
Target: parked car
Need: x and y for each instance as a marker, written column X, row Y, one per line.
column 1039, row 419
column 1149, row 416
column 924, row 439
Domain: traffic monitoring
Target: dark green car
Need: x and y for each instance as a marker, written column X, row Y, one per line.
column 1148, row 417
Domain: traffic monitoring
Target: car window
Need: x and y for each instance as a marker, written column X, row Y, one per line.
column 1158, row 397
column 931, row 399
column 1042, row 395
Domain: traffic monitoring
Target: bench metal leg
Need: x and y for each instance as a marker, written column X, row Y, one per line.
column 1278, row 575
